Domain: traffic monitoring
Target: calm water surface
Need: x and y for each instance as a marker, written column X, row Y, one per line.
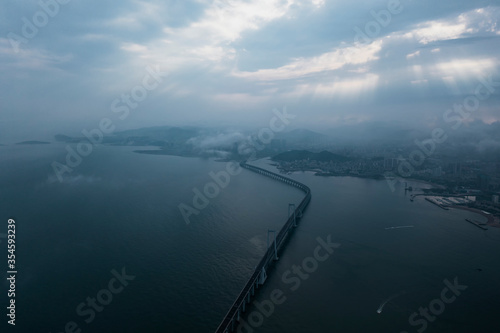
column 119, row 209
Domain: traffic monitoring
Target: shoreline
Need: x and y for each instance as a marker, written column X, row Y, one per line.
column 492, row 221
column 321, row 173
column 427, row 182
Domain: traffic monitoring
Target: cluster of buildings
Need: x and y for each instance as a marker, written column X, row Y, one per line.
column 368, row 168
column 473, row 177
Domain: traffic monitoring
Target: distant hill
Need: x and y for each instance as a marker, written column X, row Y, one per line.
column 375, row 133
column 303, row 137
column 33, row 143
column 297, row 155
column 65, row 138
column 149, row 136
column 161, row 133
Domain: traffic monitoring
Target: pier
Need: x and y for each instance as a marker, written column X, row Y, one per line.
column 436, row 203
column 476, row 224
column 259, row 276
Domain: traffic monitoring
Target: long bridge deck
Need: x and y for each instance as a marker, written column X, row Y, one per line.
column 258, row 277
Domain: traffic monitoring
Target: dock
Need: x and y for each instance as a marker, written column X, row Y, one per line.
column 476, row 224
column 437, row 204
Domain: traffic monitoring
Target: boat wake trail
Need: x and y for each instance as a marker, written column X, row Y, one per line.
column 381, row 307
column 399, row 227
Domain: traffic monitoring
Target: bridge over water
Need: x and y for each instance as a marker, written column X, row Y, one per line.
column 229, row 323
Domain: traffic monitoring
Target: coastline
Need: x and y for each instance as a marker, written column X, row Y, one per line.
column 491, row 219
column 379, row 176
column 321, row 173
column 427, row 182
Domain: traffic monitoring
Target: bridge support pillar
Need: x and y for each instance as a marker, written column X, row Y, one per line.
column 292, row 206
column 275, row 248
column 263, row 276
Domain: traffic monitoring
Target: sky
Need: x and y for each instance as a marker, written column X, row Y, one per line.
column 65, row 65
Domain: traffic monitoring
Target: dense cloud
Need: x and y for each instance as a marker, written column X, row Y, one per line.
column 229, row 62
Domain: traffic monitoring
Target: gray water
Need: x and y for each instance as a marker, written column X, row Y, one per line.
column 119, row 209
column 403, row 266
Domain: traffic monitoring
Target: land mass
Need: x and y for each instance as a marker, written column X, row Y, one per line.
column 323, row 156
column 33, row 142
column 326, row 163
